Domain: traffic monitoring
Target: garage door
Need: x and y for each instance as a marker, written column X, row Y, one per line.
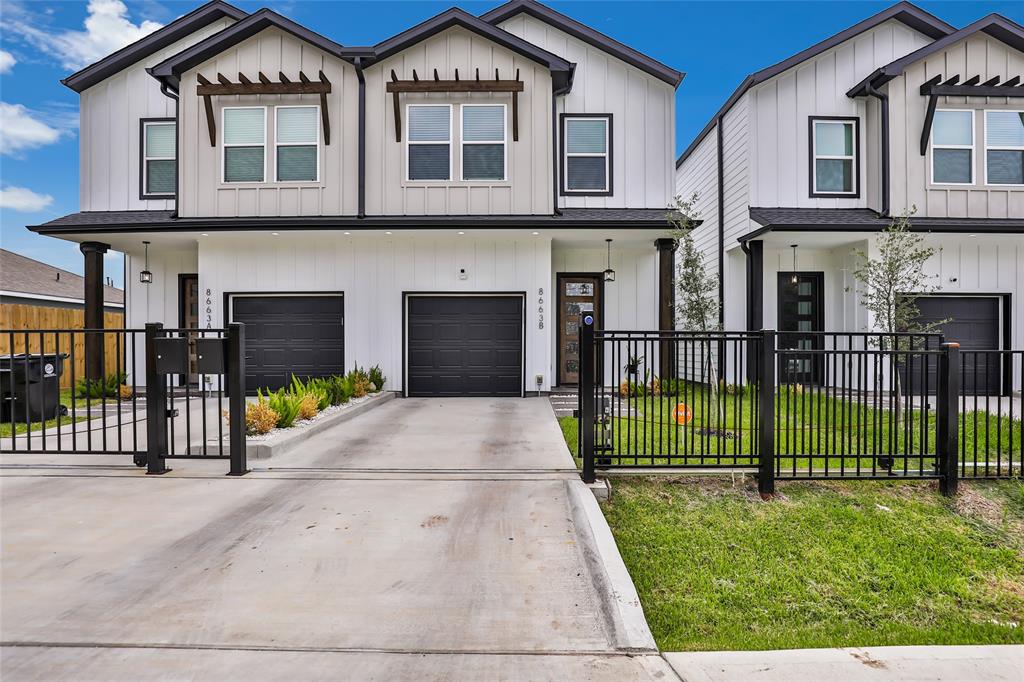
column 974, row 323
column 285, row 335
column 464, row 345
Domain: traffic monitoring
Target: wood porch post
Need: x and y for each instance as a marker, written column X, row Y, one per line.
column 93, row 252
column 666, row 303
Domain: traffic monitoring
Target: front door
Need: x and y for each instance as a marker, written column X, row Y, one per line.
column 577, row 294
column 801, row 309
column 188, row 293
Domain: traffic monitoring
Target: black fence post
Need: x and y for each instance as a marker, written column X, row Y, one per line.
column 587, row 397
column 234, row 377
column 766, row 415
column 947, row 432
column 156, row 405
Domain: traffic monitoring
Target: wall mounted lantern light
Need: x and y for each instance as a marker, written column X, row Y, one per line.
column 146, row 277
column 609, row 274
column 795, row 278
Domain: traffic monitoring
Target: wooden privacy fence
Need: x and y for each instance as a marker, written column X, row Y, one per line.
column 27, row 317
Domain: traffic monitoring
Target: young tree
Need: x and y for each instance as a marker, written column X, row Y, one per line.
column 890, row 285
column 697, row 302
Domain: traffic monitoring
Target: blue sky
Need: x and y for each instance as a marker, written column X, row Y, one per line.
column 715, row 43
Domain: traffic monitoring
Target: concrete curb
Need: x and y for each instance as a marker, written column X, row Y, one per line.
column 286, row 442
column 620, row 602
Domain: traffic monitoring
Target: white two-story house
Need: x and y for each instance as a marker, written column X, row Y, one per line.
column 808, row 159
column 444, row 203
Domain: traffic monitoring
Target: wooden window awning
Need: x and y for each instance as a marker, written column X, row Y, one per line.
column 935, row 88
column 397, row 87
column 265, row 86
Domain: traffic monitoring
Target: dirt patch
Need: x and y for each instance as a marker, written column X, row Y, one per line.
column 969, row 502
column 434, row 521
column 864, row 658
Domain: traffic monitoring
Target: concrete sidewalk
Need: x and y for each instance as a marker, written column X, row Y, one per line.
column 426, row 540
column 882, row 664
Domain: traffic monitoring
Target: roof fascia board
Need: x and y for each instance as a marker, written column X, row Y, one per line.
column 904, row 12
column 131, row 54
column 587, row 35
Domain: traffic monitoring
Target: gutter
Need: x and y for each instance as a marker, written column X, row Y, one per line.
column 555, row 156
column 167, row 91
column 883, row 100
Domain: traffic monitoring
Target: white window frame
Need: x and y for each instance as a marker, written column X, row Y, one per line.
column 146, row 159
column 451, row 142
column 224, row 145
column 298, row 144
column 986, row 146
column 607, row 155
column 974, row 140
column 853, row 122
column 503, row 142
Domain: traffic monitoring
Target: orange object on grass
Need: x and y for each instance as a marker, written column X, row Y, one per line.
column 682, row 414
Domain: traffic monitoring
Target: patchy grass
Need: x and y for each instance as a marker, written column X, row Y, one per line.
column 20, row 427
column 825, row 564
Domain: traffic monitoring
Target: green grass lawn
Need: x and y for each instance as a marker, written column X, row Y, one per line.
column 824, row 565
column 20, row 427
column 808, row 424
column 82, row 406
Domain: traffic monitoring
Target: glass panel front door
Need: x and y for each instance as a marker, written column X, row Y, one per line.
column 800, row 310
column 577, row 294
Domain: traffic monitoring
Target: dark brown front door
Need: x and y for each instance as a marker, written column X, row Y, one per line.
column 189, row 297
column 577, row 294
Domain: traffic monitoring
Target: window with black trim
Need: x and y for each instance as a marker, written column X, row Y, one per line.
column 833, row 146
column 159, row 166
column 586, row 154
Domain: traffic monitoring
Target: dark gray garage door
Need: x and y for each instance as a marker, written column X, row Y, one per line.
column 285, row 335
column 974, row 324
column 465, row 346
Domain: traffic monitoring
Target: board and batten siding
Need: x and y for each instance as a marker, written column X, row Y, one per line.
column 782, row 106
column 981, row 55
column 699, row 174
column 643, row 115
column 270, row 51
column 110, row 111
column 527, row 188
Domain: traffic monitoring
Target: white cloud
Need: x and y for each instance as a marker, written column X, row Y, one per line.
column 23, row 200
column 21, row 130
column 107, row 29
column 7, row 61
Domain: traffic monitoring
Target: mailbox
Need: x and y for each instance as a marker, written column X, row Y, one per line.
column 171, row 355
column 210, row 355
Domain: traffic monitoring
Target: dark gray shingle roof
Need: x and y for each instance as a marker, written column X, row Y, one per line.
column 25, row 275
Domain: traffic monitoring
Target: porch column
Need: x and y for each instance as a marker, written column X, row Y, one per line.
column 93, row 252
column 666, row 303
column 755, row 296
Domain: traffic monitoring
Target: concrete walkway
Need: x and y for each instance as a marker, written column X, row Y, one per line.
column 428, row 539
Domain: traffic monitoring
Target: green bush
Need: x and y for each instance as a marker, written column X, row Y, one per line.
column 311, row 387
column 377, row 378
column 285, row 404
column 108, row 387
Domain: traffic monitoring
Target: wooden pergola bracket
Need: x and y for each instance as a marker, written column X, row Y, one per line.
column 935, row 87
column 306, row 86
column 397, row 87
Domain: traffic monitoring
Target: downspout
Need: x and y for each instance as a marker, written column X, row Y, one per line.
column 721, row 225
column 167, row 92
column 883, row 100
column 361, row 189
column 554, row 155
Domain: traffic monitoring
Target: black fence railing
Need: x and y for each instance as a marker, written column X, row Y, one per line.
column 806, row 405
column 154, row 394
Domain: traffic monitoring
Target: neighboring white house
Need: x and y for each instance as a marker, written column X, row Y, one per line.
column 809, row 158
column 442, row 203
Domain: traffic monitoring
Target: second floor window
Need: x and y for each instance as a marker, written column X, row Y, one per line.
column 953, row 148
column 586, row 163
column 429, row 138
column 245, row 141
column 834, row 157
column 483, row 141
column 1004, row 147
column 158, row 163
column 297, row 144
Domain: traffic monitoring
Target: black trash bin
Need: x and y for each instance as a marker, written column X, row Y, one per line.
column 30, row 387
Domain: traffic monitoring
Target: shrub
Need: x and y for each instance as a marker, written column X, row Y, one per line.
column 108, row 387
column 259, row 417
column 339, row 389
column 671, row 386
column 313, row 388
column 361, row 386
column 307, row 406
column 377, row 378
column 285, row 405
column 124, row 392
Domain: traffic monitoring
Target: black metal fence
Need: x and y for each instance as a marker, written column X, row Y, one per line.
column 807, row 405
column 173, row 394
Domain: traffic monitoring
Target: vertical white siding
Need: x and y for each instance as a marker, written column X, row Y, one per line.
column 699, row 174
column 980, row 55
column 527, row 189
column 158, row 301
column 643, row 114
column 110, row 111
column 270, row 51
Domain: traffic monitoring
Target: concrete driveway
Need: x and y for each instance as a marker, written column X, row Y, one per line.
column 427, row 539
